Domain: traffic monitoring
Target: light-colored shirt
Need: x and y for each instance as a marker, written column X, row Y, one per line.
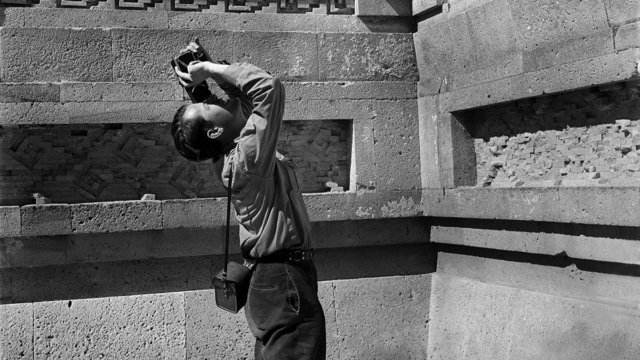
column 266, row 193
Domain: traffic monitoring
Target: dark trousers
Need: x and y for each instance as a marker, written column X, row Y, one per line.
column 284, row 313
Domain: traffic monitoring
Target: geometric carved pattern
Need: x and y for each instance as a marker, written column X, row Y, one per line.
column 187, row 180
column 89, row 183
column 110, row 162
column 336, row 7
column 24, row 151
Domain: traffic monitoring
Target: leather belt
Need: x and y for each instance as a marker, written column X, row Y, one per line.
column 289, row 256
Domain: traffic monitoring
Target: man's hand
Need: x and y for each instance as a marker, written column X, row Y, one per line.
column 195, row 47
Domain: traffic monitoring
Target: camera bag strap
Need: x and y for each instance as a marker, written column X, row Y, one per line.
column 226, row 243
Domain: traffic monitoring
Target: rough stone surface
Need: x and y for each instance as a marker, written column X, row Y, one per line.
column 195, row 213
column 525, row 325
column 611, row 249
column 621, row 11
column 170, row 274
column 5, row 285
column 117, row 327
column 89, row 248
column 21, row 92
column 342, row 206
column 24, row 113
column 191, row 242
column 400, row 204
column 67, row 18
column 628, row 36
column 36, row 251
column 363, row 159
column 48, row 219
column 568, row 282
column 120, row 92
column 288, row 55
column 393, row 231
column 381, row 57
column 383, row 8
column 354, row 90
column 328, row 109
column 116, row 216
column 456, row 152
column 141, row 55
column 362, row 306
column 55, row 55
column 335, row 234
column 580, row 205
column 9, row 221
column 16, row 331
column 212, row 333
column 428, row 131
column 66, row 282
column 396, row 145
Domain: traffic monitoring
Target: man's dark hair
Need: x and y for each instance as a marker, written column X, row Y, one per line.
column 190, row 137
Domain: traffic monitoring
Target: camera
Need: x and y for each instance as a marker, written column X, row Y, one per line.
column 200, row 92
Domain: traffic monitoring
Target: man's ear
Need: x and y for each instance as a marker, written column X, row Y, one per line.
column 214, row 132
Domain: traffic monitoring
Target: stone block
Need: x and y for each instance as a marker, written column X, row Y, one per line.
column 395, row 204
column 35, row 251
column 170, row 274
column 120, row 92
column 71, row 18
column 375, row 261
column 456, row 152
column 525, row 325
column 47, row 219
column 393, row 231
column 55, row 55
column 148, row 326
column 540, row 22
column 383, row 8
column 200, row 213
column 73, row 281
column 428, row 134
column 327, row 300
column 363, row 159
column 288, row 55
column 5, row 285
column 16, row 331
column 12, row 17
column 376, row 57
column 392, row 310
column 421, row 6
column 121, row 112
column 334, row 234
column 87, row 248
column 141, row 55
column 568, row 51
column 25, row 92
column 9, row 221
column 621, row 11
column 116, row 216
column 26, row 113
column 542, row 241
column 595, row 205
column 350, row 90
column 436, row 57
column 185, row 242
column 569, row 281
column 212, row 333
column 397, row 145
column 342, row 206
column 628, row 36
column 328, row 109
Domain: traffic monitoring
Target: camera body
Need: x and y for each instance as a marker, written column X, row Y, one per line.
column 200, row 92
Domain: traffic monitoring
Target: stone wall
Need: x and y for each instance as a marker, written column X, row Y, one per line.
column 528, row 124
column 86, row 94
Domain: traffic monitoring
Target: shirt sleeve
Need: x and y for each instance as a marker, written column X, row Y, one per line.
column 256, row 149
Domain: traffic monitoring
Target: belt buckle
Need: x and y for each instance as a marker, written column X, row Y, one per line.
column 296, row 255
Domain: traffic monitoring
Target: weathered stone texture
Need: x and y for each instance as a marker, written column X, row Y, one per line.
column 386, row 57
column 55, row 55
column 120, row 92
column 26, row 92
column 117, row 216
column 49, row 219
column 383, row 8
column 16, row 331
column 36, row 251
column 289, row 55
column 420, row 6
column 194, row 213
column 170, row 274
column 89, row 248
column 9, row 221
column 628, row 36
column 151, row 326
column 363, row 305
column 428, row 128
column 525, row 325
column 213, row 333
column 66, row 18
column 621, row 11
column 364, row 175
column 141, row 55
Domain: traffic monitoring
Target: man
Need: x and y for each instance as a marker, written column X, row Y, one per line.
column 240, row 136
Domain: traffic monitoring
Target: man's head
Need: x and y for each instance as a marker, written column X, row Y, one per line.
column 203, row 131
